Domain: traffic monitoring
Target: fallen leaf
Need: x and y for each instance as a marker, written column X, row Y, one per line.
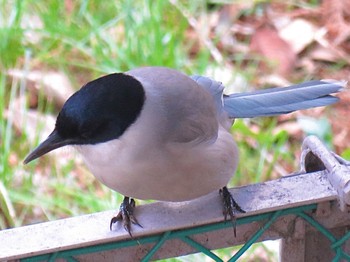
column 322, row 53
column 299, row 33
column 270, row 45
column 337, row 20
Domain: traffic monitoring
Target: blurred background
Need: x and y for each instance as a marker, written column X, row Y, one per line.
column 49, row 49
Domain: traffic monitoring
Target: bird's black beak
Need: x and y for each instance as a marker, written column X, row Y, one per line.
column 53, row 141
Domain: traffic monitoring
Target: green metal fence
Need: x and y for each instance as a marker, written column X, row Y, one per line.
column 186, row 235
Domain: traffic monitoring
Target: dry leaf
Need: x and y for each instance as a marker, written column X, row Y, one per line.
column 270, row 45
column 337, row 19
column 299, row 33
column 323, row 54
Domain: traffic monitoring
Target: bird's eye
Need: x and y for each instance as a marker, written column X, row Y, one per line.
column 90, row 131
column 85, row 135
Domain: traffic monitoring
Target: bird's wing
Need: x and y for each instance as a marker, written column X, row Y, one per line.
column 215, row 88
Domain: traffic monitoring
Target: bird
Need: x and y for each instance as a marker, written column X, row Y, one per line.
column 157, row 133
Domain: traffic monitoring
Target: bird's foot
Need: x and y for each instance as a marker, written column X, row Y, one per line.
column 126, row 215
column 231, row 207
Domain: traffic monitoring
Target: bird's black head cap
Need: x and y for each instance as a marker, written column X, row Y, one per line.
column 101, row 110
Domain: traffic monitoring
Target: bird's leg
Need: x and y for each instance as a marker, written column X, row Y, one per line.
column 231, row 207
column 126, row 215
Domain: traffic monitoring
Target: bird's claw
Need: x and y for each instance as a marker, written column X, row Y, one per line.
column 231, row 207
column 125, row 215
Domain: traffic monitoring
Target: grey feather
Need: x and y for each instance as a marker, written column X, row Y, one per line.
column 282, row 100
column 272, row 101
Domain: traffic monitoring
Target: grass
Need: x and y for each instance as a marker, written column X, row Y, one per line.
column 85, row 39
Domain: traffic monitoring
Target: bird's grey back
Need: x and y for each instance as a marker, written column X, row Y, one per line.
column 188, row 113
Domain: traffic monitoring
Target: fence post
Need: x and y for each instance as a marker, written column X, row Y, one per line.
column 293, row 247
